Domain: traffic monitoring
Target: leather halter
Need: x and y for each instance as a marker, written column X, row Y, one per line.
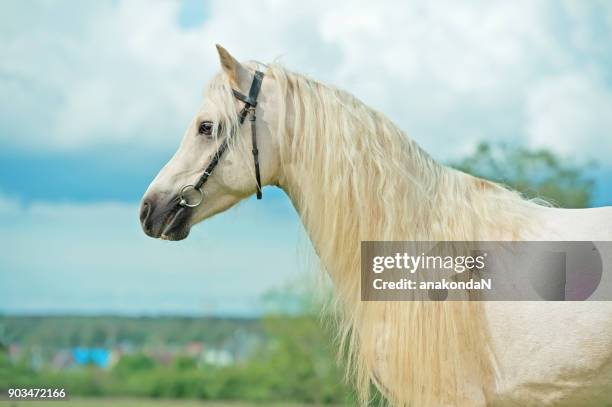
column 250, row 102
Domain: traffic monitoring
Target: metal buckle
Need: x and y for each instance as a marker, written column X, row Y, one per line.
column 183, row 202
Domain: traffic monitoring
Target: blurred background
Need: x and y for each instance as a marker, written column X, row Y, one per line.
column 95, row 98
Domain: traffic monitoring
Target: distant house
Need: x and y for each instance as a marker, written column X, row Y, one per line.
column 14, row 352
column 62, row 359
column 100, row 357
column 218, row 357
column 194, row 349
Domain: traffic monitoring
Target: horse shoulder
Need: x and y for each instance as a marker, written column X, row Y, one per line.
column 547, row 350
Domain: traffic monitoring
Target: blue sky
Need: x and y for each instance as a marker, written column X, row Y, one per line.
column 97, row 96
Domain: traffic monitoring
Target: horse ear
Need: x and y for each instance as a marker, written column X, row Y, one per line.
column 233, row 69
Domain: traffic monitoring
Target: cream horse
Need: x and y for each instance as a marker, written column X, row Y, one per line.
column 352, row 175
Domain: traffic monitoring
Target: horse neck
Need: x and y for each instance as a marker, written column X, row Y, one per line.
column 354, row 176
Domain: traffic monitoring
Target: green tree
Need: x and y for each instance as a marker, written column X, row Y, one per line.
column 129, row 364
column 534, row 173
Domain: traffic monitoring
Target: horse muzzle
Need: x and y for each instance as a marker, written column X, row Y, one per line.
column 166, row 221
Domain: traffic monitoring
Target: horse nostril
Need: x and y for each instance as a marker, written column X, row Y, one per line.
column 145, row 211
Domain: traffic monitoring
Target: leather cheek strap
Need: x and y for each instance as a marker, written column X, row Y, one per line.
column 250, row 102
column 255, row 153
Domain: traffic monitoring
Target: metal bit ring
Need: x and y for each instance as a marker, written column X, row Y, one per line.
column 183, row 202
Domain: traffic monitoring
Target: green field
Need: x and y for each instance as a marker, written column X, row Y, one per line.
column 125, row 402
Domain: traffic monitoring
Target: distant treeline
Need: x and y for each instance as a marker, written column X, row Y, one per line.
column 96, row 331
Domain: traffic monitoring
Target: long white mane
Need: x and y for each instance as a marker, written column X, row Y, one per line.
column 354, row 176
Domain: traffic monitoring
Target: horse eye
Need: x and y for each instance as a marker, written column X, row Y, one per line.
column 205, row 128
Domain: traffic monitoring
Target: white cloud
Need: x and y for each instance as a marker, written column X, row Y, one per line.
column 94, row 258
column 570, row 113
column 121, row 74
column 449, row 73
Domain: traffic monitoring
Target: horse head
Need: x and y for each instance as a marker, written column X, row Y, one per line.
column 221, row 137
